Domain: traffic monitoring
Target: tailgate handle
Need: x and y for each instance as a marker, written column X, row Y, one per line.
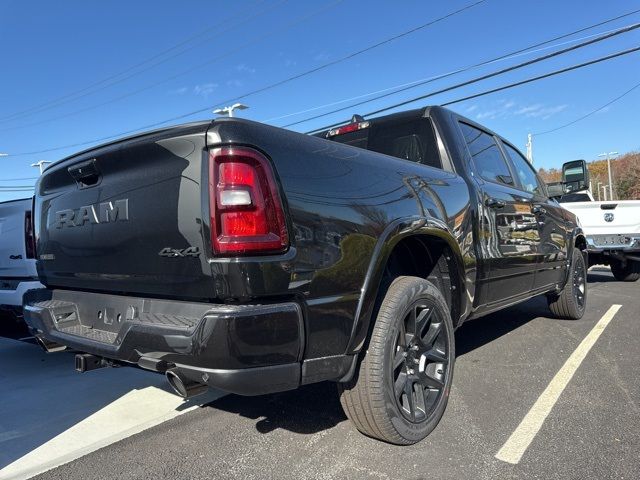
column 85, row 174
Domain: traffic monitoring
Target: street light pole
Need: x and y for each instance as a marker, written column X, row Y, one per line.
column 608, row 155
column 229, row 110
column 41, row 164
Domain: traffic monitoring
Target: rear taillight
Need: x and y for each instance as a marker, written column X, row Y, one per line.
column 246, row 211
column 29, row 238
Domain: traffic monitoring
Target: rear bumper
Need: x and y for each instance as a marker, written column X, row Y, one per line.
column 12, row 291
column 244, row 349
column 627, row 243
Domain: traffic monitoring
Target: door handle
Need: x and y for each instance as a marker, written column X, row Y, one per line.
column 494, row 203
column 538, row 210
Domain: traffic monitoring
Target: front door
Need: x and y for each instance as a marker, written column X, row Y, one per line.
column 553, row 249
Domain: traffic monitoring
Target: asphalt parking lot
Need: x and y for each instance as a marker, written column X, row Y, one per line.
column 122, row 423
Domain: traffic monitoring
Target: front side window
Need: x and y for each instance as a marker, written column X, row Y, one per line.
column 526, row 174
column 486, row 155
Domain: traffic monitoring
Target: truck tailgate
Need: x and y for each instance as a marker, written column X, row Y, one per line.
column 601, row 218
column 126, row 218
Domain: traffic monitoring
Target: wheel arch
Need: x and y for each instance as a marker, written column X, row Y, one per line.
column 580, row 242
column 411, row 233
column 577, row 240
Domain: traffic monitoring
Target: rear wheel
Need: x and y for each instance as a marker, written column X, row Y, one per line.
column 401, row 388
column 625, row 272
column 571, row 302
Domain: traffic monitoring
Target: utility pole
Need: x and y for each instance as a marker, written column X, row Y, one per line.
column 41, row 165
column 229, row 110
column 599, row 194
column 608, row 155
column 530, row 148
column 604, row 192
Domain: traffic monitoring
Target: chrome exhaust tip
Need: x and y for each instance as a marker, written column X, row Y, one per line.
column 49, row 346
column 184, row 386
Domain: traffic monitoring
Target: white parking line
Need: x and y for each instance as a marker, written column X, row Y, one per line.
column 521, row 438
column 132, row 413
column 50, row 415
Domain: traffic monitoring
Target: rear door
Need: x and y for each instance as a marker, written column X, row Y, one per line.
column 508, row 231
column 552, row 247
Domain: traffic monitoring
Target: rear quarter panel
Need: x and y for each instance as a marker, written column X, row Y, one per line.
column 342, row 203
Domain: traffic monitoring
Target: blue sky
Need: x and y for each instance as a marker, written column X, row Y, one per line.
column 62, row 79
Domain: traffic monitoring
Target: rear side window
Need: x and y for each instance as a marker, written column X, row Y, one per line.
column 414, row 141
column 526, row 175
column 486, row 155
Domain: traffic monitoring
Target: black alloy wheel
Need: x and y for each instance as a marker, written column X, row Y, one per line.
column 571, row 302
column 401, row 386
column 420, row 361
column 580, row 283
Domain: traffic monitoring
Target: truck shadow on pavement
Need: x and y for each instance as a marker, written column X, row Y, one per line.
column 307, row 410
column 476, row 333
column 600, row 275
column 314, row 408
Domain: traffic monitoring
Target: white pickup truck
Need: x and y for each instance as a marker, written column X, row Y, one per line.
column 612, row 228
column 17, row 247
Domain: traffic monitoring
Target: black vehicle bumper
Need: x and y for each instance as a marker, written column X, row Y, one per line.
column 244, row 349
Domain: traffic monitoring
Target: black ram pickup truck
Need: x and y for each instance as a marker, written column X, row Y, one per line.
column 253, row 259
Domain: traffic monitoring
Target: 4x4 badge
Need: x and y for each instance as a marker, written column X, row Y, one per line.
column 176, row 252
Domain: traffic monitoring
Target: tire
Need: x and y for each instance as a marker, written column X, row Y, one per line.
column 419, row 367
column 571, row 302
column 630, row 272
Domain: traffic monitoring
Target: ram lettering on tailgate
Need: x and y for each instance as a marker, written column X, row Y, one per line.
column 102, row 213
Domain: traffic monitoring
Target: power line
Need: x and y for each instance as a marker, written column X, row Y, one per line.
column 416, row 83
column 486, row 92
column 590, row 113
column 401, row 87
column 281, row 82
column 67, row 97
column 546, row 75
column 473, row 80
column 184, row 72
column 267, row 87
